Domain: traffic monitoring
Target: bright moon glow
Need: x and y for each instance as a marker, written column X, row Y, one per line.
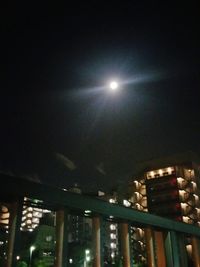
column 113, row 85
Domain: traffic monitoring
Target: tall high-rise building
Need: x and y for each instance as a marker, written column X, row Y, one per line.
column 171, row 188
column 168, row 187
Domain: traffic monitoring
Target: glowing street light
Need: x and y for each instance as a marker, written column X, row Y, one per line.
column 32, row 248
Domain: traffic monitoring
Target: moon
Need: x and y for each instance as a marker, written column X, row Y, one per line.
column 113, row 85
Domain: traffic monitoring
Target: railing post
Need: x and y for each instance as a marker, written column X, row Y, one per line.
column 196, row 251
column 160, row 249
column 150, row 247
column 125, row 244
column 97, row 241
column 61, row 239
column 172, row 250
column 14, row 232
column 183, row 251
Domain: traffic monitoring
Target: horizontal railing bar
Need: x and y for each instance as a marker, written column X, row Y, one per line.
column 55, row 197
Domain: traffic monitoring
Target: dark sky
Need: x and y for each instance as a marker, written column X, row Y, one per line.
column 56, row 60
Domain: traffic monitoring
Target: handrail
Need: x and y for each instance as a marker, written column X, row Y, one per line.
column 17, row 187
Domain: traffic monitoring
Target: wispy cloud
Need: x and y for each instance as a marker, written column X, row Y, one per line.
column 66, row 161
column 100, row 168
column 31, row 177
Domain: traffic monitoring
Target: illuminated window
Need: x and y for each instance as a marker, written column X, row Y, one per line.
column 112, row 227
column 113, row 236
column 126, row 203
column 112, row 255
column 49, row 238
column 113, row 245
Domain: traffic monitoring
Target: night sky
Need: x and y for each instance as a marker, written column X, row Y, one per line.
column 59, row 123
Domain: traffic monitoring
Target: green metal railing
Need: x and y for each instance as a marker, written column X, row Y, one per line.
column 13, row 190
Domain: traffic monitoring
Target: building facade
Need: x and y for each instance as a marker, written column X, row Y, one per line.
column 169, row 188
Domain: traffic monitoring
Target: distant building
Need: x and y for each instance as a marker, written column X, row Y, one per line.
column 173, row 182
column 79, row 226
column 31, row 214
column 168, row 187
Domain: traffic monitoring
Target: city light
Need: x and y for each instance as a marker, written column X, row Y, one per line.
column 112, row 227
column 126, row 203
column 87, row 251
column 32, row 248
column 87, row 211
column 87, row 256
